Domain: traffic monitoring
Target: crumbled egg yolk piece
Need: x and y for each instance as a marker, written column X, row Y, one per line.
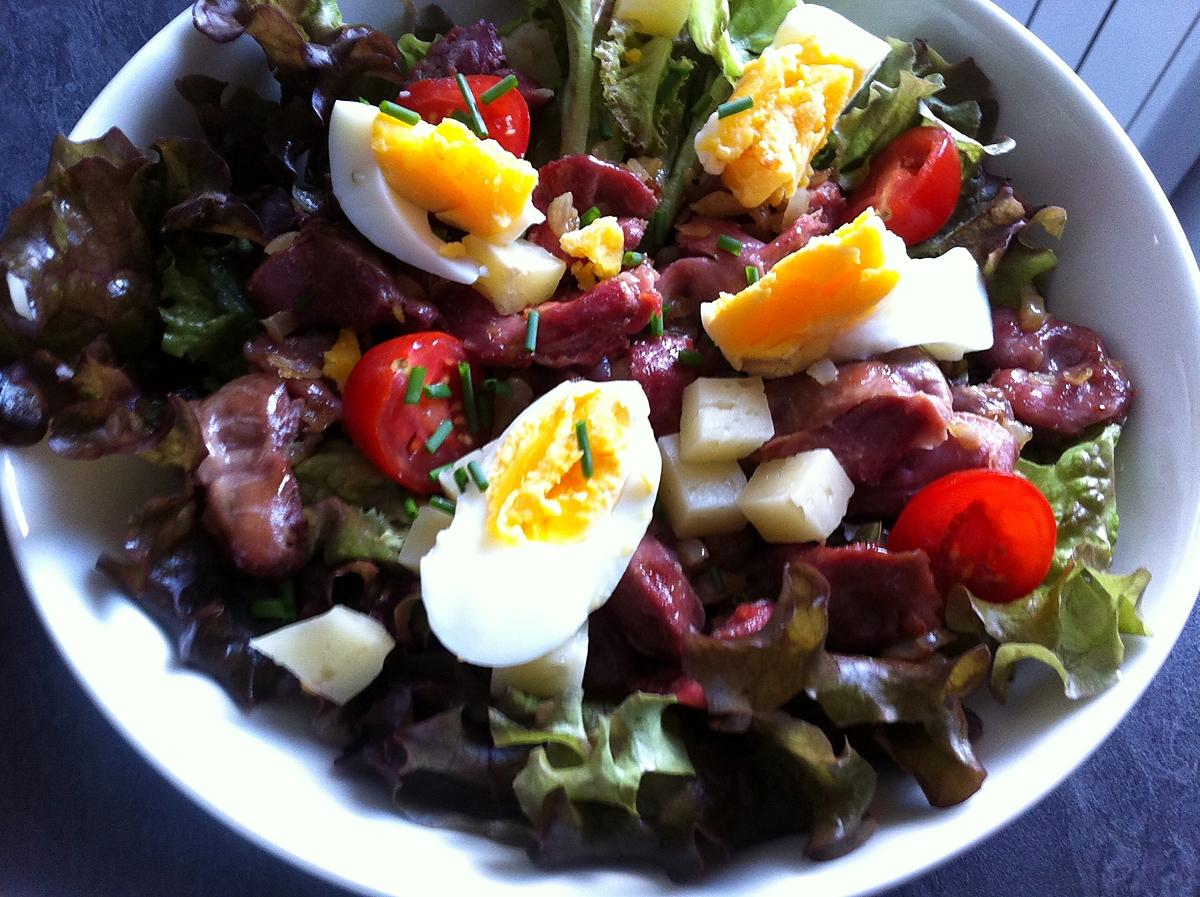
column 472, row 184
column 787, row 320
column 537, row 490
column 602, row 244
column 341, row 358
column 764, row 154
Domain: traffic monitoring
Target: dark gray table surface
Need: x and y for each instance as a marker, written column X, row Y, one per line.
column 82, row 814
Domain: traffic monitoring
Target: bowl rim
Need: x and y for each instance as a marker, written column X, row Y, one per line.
column 93, row 121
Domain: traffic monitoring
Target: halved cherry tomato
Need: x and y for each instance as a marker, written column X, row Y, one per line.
column 390, row 432
column 992, row 531
column 506, row 117
column 913, row 184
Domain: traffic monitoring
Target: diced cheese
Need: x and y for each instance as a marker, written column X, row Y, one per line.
column 661, row 18
column 558, row 672
column 724, row 419
column 514, row 276
column 701, row 499
column 798, row 499
column 422, row 536
column 335, row 655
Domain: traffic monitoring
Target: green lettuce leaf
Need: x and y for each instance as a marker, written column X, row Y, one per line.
column 1017, row 275
column 357, row 535
column 620, row 748
column 575, row 98
column 730, row 31
column 412, row 49
column 338, row 470
column 644, row 97
column 204, row 309
column 987, row 218
column 1073, row 622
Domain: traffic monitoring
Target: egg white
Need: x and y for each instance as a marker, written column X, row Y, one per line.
column 393, row 223
column 500, row 605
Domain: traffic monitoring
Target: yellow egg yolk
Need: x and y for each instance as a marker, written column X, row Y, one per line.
column 764, row 153
column 602, row 244
column 537, row 488
column 787, row 320
column 472, row 184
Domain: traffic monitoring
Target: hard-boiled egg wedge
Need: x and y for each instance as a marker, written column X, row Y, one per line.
column 796, row 90
column 787, row 320
column 528, row 558
column 388, row 176
column 601, row 244
column 940, row 304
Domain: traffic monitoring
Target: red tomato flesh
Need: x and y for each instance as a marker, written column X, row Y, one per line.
column 391, row 433
column 506, row 117
column 992, row 531
column 913, row 184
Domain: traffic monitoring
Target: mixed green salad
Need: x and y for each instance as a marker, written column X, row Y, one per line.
column 635, row 426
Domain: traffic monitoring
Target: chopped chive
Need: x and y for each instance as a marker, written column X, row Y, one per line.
column 589, row 216
column 436, row 473
column 499, row 387
column 434, row 442
column 439, row 391
column 729, row 244
column 410, row 508
column 656, row 324
column 460, row 479
column 459, row 116
column 476, row 124
column 531, row 330
column 273, row 609
column 691, row 358
column 751, row 275
column 496, row 91
column 585, row 446
column 365, row 101
column 633, row 259
column 416, row 379
column 478, row 476
column 733, row 107
column 442, row 504
column 395, row 110
column 468, row 388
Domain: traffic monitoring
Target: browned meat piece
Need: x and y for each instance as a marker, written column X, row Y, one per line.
column 654, row 363
column 613, row 189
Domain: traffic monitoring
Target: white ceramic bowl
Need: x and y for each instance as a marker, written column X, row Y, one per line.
column 1126, row 270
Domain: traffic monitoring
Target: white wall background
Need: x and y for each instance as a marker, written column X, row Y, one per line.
column 1142, row 57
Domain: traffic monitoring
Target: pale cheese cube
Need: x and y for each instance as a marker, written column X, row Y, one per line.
column 516, row 275
column 661, row 18
column 798, row 499
column 422, row 535
column 335, row 655
column 724, row 419
column 558, row 672
column 700, row 498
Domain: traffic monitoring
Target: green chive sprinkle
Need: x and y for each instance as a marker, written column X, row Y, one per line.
column 434, row 442
column 476, row 124
column 656, row 324
column 729, row 244
column 633, row 259
column 406, row 115
column 691, row 358
column 496, row 91
column 460, row 479
column 366, row 102
column 410, row 508
column 273, row 609
column 585, row 446
column 499, row 387
column 478, row 476
column 658, row 227
column 751, row 275
column 531, row 330
column 733, row 107
column 589, row 216
column 416, row 379
column 442, row 504
column 468, row 388
column 460, row 116
column 438, row 391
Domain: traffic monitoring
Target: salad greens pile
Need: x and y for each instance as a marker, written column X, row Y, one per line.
column 125, row 301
